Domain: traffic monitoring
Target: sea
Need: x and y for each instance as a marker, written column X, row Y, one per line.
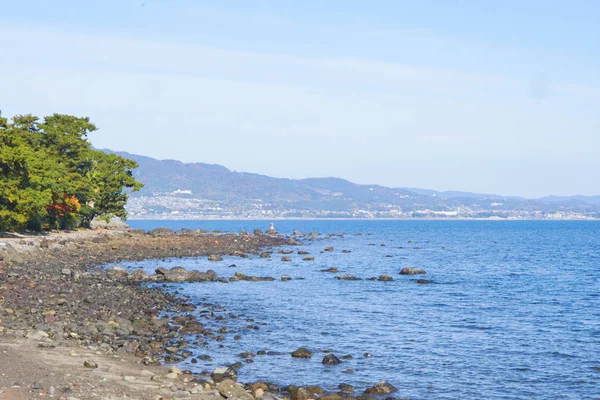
column 512, row 310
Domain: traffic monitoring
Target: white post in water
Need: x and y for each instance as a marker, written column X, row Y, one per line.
column 271, row 226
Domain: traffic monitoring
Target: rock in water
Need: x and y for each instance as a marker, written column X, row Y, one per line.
column 381, row 388
column 348, row 278
column 302, row 352
column 385, row 278
column 215, row 257
column 412, row 271
column 331, row 359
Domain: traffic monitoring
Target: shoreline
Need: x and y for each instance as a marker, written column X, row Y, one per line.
column 55, row 301
column 74, row 330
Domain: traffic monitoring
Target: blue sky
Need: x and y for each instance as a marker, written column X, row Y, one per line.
column 481, row 96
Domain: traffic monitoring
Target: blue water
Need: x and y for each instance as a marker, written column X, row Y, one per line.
column 513, row 311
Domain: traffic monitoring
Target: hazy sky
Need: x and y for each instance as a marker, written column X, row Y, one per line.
column 500, row 97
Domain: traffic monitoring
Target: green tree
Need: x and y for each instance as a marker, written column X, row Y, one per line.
column 53, row 178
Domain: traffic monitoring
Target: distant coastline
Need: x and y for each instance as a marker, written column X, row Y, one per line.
column 357, row 219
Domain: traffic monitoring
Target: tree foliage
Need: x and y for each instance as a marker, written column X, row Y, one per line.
column 51, row 177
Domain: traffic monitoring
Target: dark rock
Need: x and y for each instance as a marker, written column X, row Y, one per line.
column 330, row 248
column 332, row 269
column 238, row 276
column 302, row 353
column 381, row 388
column 90, row 364
column 309, row 258
column 286, row 259
column 331, row 359
column 347, row 277
column 265, row 254
column 412, row 271
column 423, row 281
column 385, row 278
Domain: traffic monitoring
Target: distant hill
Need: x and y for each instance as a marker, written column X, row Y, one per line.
column 217, row 183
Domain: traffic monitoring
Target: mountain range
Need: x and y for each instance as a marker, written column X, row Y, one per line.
column 217, row 183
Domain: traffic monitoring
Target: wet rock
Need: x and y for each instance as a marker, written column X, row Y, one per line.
column 345, row 388
column 286, row 278
column 287, row 251
column 309, row 258
column 300, row 394
column 286, row 259
column 176, row 274
column 247, row 354
column 423, row 281
column 199, row 276
column 215, row 257
column 90, row 364
column 293, row 242
column 224, row 373
column 258, row 232
column 347, row 277
column 330, row 248
column 238, row 276
column 381, row 388
column 302, row 252
column 347, row 357
column 332, row 269
column 302, row 352
column 346, row 251
column 331, row 359
column 385, row 278
column 265, row 254
column 412, row 271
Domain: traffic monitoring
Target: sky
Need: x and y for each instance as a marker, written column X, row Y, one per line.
column 481, row 96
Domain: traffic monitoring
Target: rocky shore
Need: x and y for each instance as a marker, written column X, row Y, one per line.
column 57, row 304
